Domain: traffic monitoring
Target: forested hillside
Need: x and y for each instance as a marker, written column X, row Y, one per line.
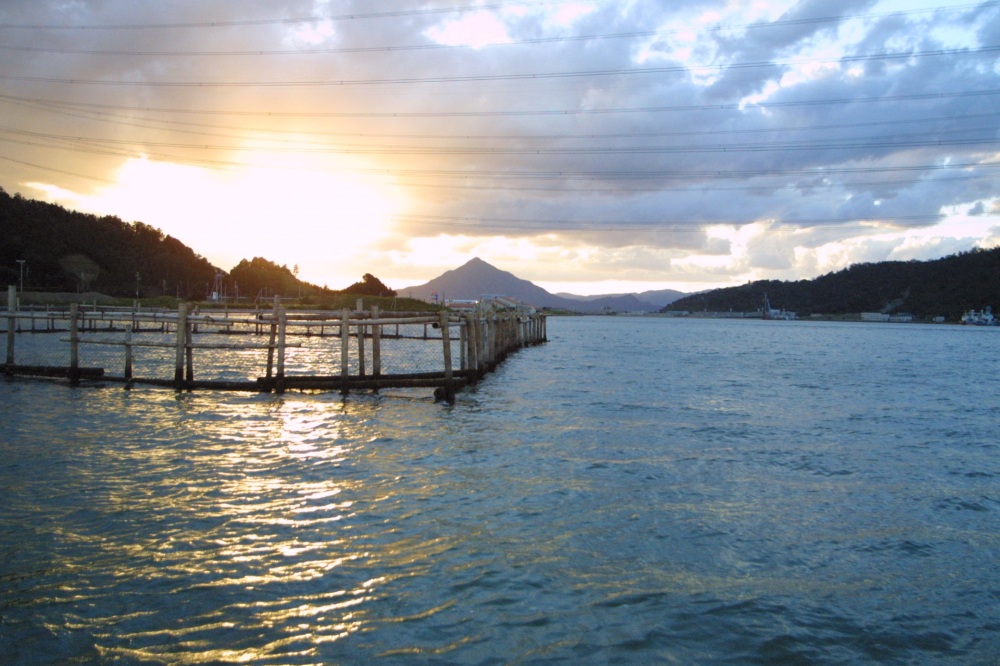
column 926, row 289
column 64, row 250
column 68, row 251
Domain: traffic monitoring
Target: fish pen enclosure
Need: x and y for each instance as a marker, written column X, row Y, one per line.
column 263, row 350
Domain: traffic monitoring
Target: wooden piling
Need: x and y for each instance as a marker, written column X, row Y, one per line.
column 271, row 340
column 491, row 342
column 279, row 382
column 128, row 351
column 11, row 322
column 74, row 344
column 463, row 346
column 345, row 347
column 449, row 379
column 376, row 344
column 181, row 345
column 476, row 342
column 361, row 346
column 192, row 327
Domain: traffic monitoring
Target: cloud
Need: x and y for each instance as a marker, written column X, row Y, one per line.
column 678, row 143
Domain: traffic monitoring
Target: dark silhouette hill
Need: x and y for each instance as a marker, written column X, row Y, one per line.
column 944, row 287
column 60, row 251
column 68, row 251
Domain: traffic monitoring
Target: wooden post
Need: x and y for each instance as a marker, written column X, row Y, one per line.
column 480, row 345
column 128, row 351
column 361, row 344
column 463, row 346
column 483, row 335
column 472, row 371
column 270, row 346
column 491, row 338
column 74, row 344
column 376, row 344
column 279, row 383
column 11, row 322
column 449, row 380
column 182, row 328
column 189, row 350
column 345, row 347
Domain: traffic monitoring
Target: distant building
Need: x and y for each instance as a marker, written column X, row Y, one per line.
column 462, row 304
column 497, row 302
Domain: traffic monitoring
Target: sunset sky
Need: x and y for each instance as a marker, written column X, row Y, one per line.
column 587, row 146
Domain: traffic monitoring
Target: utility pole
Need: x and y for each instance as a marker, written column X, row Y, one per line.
column 20, row 263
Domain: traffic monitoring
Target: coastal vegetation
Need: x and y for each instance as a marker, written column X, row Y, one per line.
column 47, row 249
column 944, row 287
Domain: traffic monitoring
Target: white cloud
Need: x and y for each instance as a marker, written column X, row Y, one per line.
column 533, row 154
column 477, row 30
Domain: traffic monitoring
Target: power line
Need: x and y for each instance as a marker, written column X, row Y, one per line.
column 678, row 174
column 351, row 149
column 430, row 47
column 890, row 140
column 282, row 21
column 511, row 113
column 666, row 226
column 481, row 78
column 540, row 175
column 158, row 124
column 54, row 170
column 591, row 189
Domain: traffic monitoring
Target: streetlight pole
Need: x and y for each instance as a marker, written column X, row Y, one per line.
column 20, row 263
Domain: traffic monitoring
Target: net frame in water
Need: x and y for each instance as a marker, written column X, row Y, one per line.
column 468, row 346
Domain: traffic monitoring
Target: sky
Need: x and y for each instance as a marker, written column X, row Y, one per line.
column 589, row 146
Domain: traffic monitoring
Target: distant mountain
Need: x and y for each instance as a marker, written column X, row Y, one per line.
column 661, row 297
column 476, row 278
column 925, row 289
column 658, row 298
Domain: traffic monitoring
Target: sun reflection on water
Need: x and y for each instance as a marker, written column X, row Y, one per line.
column 250, row 524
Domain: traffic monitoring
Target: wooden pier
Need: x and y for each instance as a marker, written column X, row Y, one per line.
column 265, row 350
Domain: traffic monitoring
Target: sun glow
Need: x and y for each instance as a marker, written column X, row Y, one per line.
column 319, row 219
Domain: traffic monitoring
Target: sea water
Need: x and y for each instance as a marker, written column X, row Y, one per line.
column 637, row 490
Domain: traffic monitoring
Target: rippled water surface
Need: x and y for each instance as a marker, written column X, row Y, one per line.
column 635, row 491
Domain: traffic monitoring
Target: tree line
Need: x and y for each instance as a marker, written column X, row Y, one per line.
column 944, row 287
column 45, row 247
